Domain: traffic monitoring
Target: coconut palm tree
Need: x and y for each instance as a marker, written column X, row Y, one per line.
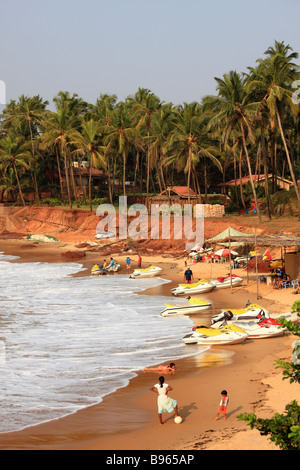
column 272, row 81
column 14, row 153
column 119, row 133
column 144, row 105
column 87, row 140
column 27, row 115
column 232, row 114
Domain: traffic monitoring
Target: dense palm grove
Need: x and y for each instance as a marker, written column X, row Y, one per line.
column 249, row 127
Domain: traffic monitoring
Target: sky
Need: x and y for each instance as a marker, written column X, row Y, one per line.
column 173, row 48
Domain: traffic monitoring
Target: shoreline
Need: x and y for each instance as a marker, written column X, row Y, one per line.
column 134, row 423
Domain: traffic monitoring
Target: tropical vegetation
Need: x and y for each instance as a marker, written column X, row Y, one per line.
column 248, row 128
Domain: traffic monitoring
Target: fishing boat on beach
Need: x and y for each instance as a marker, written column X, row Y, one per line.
column 194, row 305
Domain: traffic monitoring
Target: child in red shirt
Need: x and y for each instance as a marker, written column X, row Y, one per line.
column 223, row 404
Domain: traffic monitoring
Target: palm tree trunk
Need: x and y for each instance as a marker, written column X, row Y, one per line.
column 34, row 170
column 67, row 180
column 264, row 152
column 59, row 174
column 250, row 172
column 19, row 185
column 189, row 175
column 240, row 176
column 90, row 186
column 124, row 173
column 289, row 161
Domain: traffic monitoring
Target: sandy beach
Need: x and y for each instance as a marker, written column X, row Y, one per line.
column 127, row 419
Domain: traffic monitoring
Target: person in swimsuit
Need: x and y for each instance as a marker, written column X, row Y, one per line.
column 164, row 403
column 170, row 368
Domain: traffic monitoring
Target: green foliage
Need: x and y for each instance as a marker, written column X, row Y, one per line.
column 284, row 429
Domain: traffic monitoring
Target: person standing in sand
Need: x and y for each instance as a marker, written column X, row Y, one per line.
column 139, row 265
column 164, row 403
column 188, row 275
column 223, row 405
column 128, row 263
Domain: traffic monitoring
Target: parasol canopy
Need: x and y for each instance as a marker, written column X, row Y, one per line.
column 225, row 252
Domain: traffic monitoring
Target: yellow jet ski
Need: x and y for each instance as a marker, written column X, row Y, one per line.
column 194, row 305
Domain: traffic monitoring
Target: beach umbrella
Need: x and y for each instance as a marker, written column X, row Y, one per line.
column 225, row 252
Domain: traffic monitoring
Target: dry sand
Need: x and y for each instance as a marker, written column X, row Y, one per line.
column 127, row 419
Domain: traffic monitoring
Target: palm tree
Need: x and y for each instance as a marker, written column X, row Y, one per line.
column 272, row 81
column 27, row 114
column 57, row 128
column 231, row 115
column 86, row 140
column 119, row 133
column 14, row 153
column 144, row 105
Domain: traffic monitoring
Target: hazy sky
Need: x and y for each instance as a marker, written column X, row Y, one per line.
column 174, row 48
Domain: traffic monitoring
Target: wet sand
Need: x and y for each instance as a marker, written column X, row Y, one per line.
column 127, row 419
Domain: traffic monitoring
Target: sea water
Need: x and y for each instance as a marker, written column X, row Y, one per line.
column 67, row 341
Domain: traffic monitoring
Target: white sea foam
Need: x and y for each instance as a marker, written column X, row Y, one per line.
column 65, row 342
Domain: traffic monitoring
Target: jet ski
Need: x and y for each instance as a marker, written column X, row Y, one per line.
column 96, row 269
column 114, row 268
column 266, row 328
column 147, row 272
column 228, row 334
column 194, row 305
column 198, row 287
column 250, row 312
column 225, row 282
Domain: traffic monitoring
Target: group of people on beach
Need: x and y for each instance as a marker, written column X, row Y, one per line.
column 166, row 404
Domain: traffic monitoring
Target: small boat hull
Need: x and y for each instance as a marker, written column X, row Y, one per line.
column 229, row 334
column 186, row 309
column 148, row 272
column 197, row 288
column 225, row 283
column 257, row 331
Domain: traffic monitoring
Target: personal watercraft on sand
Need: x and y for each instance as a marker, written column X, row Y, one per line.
column 250, row 312
column 227, row 281
column 187, row 289
column 194, row 305
column 229, row 334
column 147, row 272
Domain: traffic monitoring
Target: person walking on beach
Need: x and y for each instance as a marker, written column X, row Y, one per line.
column 223, row 405
column 188, row 275
column 139, row 261
column 164, row 403
column 128, row 261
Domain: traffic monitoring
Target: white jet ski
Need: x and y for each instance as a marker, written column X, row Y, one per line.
column 147, row 272
column 229, row 334
column 194, row 305
column 250, row 312
column 115, row 268
column 225, row 282
column 267, row 328
column 197, row 288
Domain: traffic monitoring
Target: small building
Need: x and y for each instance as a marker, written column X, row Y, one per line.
column 175, row 195
column 281, row 183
